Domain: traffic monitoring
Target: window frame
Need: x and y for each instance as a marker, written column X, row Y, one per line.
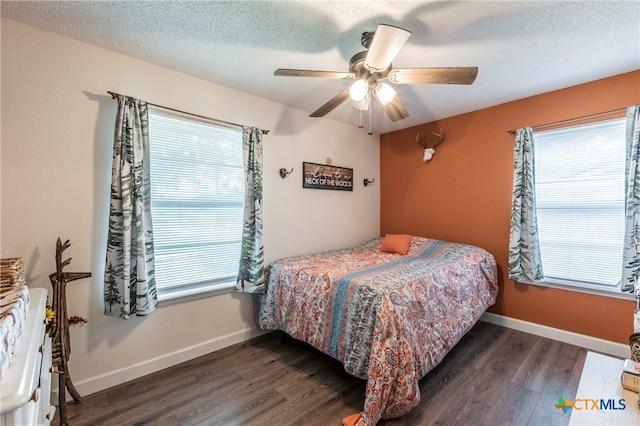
column 575, row 285
column 192, row 291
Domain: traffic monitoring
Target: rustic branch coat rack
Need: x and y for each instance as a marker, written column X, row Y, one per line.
column 60, row 331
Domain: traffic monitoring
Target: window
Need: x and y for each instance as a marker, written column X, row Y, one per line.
column 197, row 201
column 579, row 174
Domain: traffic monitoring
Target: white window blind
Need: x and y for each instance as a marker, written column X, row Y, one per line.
column 197, row 199
column 579, row 174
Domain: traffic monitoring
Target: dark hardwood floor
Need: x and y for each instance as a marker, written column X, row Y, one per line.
column 494, row 376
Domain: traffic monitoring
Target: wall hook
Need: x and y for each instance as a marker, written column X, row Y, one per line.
column 367, row 181
column 284, row 173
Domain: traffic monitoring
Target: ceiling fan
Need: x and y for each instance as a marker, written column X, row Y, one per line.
column 370, row 67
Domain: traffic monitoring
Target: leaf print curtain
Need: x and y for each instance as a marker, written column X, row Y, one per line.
column 251, row 270
column 524, row 250
column 631, row 249
column 129, row 286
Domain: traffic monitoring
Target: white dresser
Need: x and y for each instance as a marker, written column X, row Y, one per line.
column 25, row 391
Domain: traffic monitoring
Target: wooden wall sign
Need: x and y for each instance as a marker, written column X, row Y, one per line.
column 322, row 176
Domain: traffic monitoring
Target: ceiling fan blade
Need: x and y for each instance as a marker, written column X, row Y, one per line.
column 387, row 42
column 394, row 109
column 311, row 73
column 333, row 102
column 451, row 75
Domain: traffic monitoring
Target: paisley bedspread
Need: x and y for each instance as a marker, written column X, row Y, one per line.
column 389, row 318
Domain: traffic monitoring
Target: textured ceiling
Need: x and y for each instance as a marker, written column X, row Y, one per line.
column 521, row 48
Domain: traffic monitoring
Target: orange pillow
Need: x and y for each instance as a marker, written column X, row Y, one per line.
column 396, row 243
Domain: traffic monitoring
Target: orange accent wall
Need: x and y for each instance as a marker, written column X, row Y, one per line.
column 464, row 194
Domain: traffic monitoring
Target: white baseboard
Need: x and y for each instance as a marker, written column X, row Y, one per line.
column 619, row 350
column 98, row 383
column 130, row 372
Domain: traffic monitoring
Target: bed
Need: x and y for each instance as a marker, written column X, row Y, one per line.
column 388, row 317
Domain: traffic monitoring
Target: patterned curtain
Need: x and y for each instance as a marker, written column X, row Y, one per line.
column 251, row 271
column 129, row 286
column 524, row 251
column 631, row 253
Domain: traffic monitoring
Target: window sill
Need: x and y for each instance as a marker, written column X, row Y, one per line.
column 615, row 293
column 195, row 293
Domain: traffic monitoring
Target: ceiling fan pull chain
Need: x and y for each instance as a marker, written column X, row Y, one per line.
column 360, row 126
column 370, row 132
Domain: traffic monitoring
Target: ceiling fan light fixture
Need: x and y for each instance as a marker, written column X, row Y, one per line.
column 359, row 90
column 363, row 105
column 384, row 93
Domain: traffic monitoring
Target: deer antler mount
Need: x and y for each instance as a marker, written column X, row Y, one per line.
column 430, row 150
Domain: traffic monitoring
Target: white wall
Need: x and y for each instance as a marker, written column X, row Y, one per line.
column 57, row 130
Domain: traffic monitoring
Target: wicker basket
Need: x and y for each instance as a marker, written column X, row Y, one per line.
column 11, row 273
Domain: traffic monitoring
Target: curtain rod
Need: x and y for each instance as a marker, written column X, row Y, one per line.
column 571, row 120
column 231, row 123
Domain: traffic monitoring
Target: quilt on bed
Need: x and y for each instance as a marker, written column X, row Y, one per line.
column 389, row 318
